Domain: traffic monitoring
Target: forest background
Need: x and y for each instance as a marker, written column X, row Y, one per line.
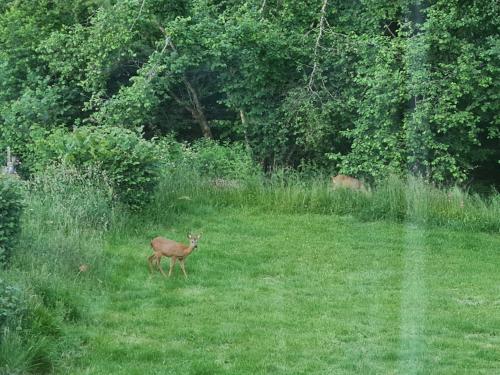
column 364, row 88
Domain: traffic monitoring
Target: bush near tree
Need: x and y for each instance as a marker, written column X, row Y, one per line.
column 129, row 162
column 10, row 214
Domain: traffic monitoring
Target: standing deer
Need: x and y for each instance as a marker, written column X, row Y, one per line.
column 163, row 247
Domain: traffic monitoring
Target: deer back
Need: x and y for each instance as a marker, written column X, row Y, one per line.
column 347, row 182
column 168, row 247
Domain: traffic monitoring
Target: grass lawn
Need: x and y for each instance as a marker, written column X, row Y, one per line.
column 290, row 294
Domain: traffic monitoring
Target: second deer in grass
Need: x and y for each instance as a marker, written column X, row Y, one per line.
column 348, row 182
column 163, row 247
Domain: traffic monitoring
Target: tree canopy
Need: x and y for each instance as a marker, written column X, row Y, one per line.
column 366, row 88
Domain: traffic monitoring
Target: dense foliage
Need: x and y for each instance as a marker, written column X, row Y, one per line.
column 366, row 88
column 128, row 161
column 10, row 213
column 207, row 158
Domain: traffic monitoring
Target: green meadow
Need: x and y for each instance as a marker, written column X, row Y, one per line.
column 296, row 294
column 290, row 277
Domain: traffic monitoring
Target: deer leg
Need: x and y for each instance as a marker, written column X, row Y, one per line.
column 150, row 262
column 158, row 262
column 172, row 264
column 182, row 267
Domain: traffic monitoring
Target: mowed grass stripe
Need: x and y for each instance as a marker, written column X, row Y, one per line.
column 290, row 294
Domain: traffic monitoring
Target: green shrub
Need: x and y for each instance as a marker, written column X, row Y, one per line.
column 10, row 213
column 66, row 216
column 20, row 351
column 171, row 153
column 31, row 323
column 215, row 160
column 11, row 304
column 129, row 161
column 207, row 159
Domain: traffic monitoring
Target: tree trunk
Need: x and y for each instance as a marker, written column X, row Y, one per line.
column 244, row 124
column 200, row 118
column 197, row 110
column 194, row 106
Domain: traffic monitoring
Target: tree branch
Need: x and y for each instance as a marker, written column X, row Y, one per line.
column 389, row 29
column 261, row 10
column 181, row 102
column 153, row 71
column 194, row 106
column 197, row 109
column 138, row 15
column 322, row 21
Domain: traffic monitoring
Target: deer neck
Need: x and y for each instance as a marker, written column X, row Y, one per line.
column 188, row 250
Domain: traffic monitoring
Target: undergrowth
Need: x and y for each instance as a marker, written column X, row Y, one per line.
column 58, row 258
column 394, row 199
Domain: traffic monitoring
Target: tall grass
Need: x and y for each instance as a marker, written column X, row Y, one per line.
column 66, row 217
column 394, row 199
column 67, row 214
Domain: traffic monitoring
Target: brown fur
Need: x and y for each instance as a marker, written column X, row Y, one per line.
column 163, row 247
column 348, row 182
